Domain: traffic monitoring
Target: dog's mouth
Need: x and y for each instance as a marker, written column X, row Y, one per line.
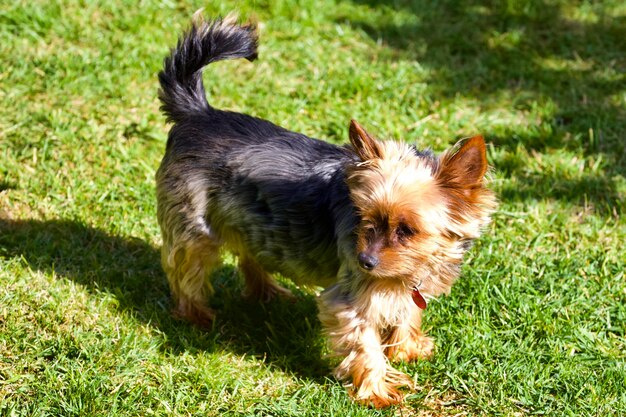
column 418, row 298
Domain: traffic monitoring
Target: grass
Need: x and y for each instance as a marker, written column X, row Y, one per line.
column 536, row 324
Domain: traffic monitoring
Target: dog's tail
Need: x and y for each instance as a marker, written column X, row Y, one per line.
column 182, row 92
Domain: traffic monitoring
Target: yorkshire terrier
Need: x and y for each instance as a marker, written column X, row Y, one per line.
column 382, row 224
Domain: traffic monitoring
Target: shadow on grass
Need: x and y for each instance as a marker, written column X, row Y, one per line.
column 5, row 185
column 284, row 333
column 528, row 52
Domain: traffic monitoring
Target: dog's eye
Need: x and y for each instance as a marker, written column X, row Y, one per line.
column 404, row 231
column 369, row 231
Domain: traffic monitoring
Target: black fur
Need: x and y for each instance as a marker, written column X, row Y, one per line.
column 182, row 92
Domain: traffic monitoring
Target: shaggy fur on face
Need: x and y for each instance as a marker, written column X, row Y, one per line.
column 382, row 225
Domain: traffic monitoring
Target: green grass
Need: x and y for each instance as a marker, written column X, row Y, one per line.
column 536, row 324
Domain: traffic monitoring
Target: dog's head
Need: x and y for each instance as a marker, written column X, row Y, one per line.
column 418, row 213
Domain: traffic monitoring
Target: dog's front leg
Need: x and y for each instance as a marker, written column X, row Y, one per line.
column 407, row 342
column 364, row 363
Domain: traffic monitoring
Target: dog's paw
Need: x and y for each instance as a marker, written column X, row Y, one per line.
column 415, row 348
column 201, row 316
column 382, row 392
column 381, row 399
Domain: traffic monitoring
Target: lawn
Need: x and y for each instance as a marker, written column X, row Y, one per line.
column 535, row 325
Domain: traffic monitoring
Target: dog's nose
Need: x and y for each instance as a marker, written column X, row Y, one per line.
column 367, row 262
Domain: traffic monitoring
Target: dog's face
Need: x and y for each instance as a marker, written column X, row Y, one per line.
column 417, row 212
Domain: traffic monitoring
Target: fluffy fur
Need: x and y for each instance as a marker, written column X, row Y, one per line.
column 378, row 223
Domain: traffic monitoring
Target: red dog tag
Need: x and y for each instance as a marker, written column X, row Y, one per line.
column 418, row 299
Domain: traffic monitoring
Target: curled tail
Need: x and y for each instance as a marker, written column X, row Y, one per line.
column 182, row 92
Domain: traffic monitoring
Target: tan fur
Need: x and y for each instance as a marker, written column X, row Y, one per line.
column 357, row 340
column 188, row 266
column 259, row 284
column 406, row 342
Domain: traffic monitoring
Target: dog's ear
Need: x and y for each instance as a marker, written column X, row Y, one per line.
column 365, row 146
column 466, row 166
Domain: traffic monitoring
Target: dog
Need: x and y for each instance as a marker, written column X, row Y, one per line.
column 382, row 225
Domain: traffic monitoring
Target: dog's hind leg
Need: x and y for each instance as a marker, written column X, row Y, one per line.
column 259, row 284
column 191, row 249
column 188, row 264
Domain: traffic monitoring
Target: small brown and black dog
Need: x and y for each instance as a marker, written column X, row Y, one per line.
column 382, row 224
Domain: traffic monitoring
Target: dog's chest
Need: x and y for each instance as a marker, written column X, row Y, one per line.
column 384, row 305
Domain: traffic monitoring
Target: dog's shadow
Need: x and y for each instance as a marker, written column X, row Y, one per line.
column 283, row 333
